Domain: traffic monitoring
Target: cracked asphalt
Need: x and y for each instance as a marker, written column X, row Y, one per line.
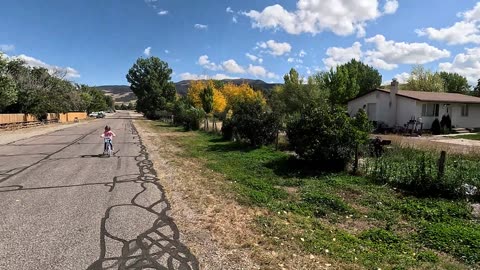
column 64, row 206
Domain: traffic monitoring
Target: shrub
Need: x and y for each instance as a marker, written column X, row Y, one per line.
column 192, row 119
column 327, row 136
column 253, row 123
column 186, row 116
column 227, row 129
column 436, row 128
column 446, row 123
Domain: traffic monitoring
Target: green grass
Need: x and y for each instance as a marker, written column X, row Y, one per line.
column 469, row 136
column 349, row 219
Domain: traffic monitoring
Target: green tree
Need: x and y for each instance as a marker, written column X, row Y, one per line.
column 8, row 88
column 476, row 89
column 340, row 85
column 367, row 77
column 422, row 79
column 110, row 101
column 207, row 103
column 454, row 83
column 150, row 81
column 289, row 99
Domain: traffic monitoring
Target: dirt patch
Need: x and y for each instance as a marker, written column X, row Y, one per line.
column 437, row 143
column 222, row 233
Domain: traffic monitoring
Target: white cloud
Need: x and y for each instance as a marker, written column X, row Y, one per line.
column 190, row 76
column 338, row 55
column 473, row 14
column 67, row 72
column 167, row 51
column 466, row 64
column 162, row 12
column 260, row 60
column 294, row 60
column 229, row 10
column 302, row 53
column 252, row 57
column 206, row 63
column 7, row 47
column 388, row 54
column 275, row 48
column 147, row 51
column 342, row 17
column 232, row 67
column 402, row 77
column 459, row 33
column 201, row 26
column 390, row 7
column 465, row 31
column 234, row 19
column 259, row 71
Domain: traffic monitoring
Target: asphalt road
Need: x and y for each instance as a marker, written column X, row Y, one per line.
column 64, row 206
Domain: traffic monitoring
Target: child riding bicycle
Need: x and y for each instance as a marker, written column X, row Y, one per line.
column 108, row 137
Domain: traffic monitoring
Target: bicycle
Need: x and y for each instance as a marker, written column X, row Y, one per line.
column 107, row 148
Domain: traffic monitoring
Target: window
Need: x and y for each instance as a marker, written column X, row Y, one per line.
column 430, row 110
column 465, row 110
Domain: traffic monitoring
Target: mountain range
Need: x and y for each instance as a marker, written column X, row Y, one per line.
column 123, row 93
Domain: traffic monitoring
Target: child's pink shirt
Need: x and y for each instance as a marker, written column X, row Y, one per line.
column 108, row 135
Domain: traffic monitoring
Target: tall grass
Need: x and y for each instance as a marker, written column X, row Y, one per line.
column 417, row 171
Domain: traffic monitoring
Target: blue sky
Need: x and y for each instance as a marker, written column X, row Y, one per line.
column 97, row 41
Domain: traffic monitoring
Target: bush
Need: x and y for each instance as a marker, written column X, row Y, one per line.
column 436, row 128
column 187, row 116
column 227, row 129
column 446, row 123
column 327, row 136
column 252, row 123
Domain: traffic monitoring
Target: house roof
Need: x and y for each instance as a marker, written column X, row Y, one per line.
column 435, row 96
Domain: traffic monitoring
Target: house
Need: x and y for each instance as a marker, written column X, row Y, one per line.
column 396, row 108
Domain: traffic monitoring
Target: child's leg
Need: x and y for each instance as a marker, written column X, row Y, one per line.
column 111, row 144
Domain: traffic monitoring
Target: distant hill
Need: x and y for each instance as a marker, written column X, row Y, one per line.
column 123, row 93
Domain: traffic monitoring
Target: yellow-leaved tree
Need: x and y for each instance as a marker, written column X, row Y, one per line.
column 240, row 93
column 194, row 97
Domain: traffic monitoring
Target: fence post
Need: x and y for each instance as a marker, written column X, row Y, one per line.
column 441, row 164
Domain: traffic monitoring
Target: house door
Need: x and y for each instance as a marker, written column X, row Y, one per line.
column 372, row 111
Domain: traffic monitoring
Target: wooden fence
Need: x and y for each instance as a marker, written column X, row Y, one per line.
column 20, row 120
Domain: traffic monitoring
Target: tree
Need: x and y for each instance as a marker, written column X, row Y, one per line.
column 476, row 90
column 207, row 103
column 422, row 79
column 110, row 101
column 454, row 83
column 340, row 85
column 367, row 77
column 8, row 88
column 150, row 81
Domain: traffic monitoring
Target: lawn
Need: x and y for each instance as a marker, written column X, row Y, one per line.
column 350, row 220
column 469, row 136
